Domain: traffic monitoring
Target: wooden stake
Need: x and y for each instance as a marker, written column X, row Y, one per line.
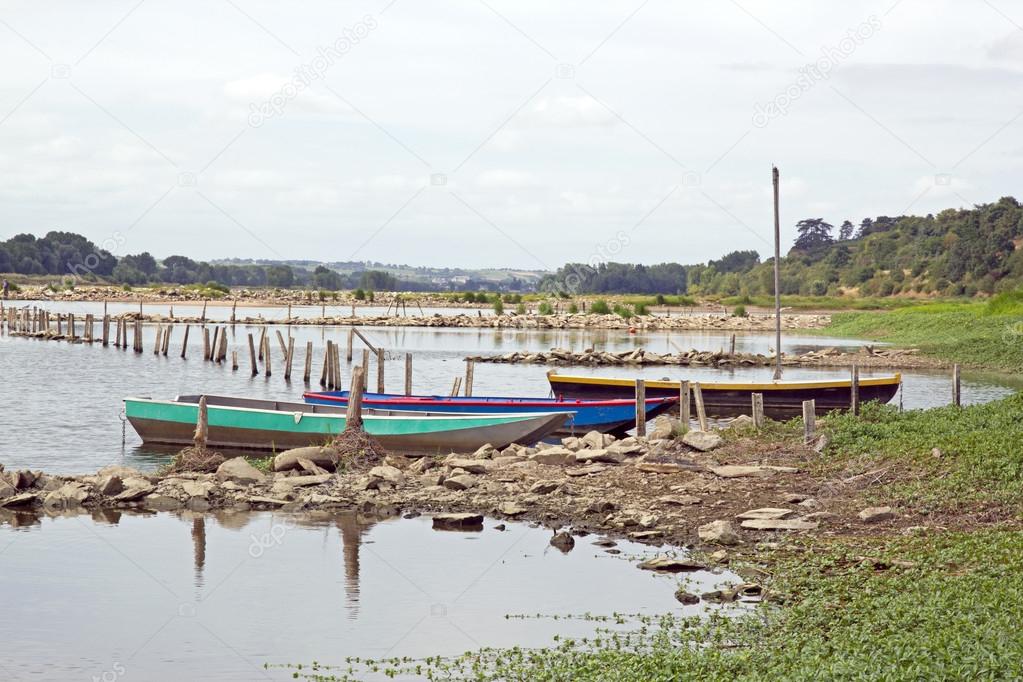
column 758, row 411
column 203, row 318
column 280, row 340
column 158, row 342
column 106, row 327
column 365, row 374
column 701, row 413
column 336, row 365
column 234, row 360
column 290, row 358
column 364, row 340
column 223, row 345
column 201, row 425
column 380, row 371
column 457, row 385
column 252, row 356
column 809, row 420
column 351, row 342
column 184, row 342
column 470, row 368
column 205, row 343
column 956, row 386
column 731, row 346
column 266, row 356
column 408, row 373
column 777, row 277
column 854, row 398
column 308, row 362
column 640, row 407
column 326, row 365
column 684, row 412
column 353, row 416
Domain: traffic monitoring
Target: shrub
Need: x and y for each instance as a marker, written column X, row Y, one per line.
column 545, row 309
column 640, row 309
column 573, row 309
column 498, row 306
column 600, row 307
column 520, row 309
column 359, row 295
column 739, row 311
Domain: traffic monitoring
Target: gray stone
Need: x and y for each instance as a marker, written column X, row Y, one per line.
column 600, row 455
column 719, row 532
column 485, row 452
column 740, row 471
column 666, row 564
column 199, row 489
column 563, row 541
column 109, row 485
column 553, row 456
column 663, row 428
column 384, row 472
column 779, row 524
column 161, row 503
column 472, row 466
column 19, row 500
column 742, row 422
column 240, row 471
column 311, row 467
column 511, row 509
column 543, row 487
column 457, row 520
column 323, row 457
column 766, row 513
column 139, row 488
column 876, row 514
column 6, row 489
column 703, row 441
column 460, row 482
column 69, row 495
column 680, row 500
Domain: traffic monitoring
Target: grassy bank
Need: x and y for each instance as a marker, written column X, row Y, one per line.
column 940, row 599
column 980, row 335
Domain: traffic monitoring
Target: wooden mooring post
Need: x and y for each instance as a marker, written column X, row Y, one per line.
column 252, row 356
column 758, row 411
column 684, row 411
column 308, row 362
column 158, row 341
column 106, row 327
column 456, row 386
column 701, row 413
column 290, row 358
column 408, row 373
column 351, row 343
column 956, row 386
column 640, row 407
column 184, row 343
column 470, row 368
column 854, row 398
column 267, row 371
column 380, row 371
column 336, row 364
column 205, row 343
column 201, row 425
column 809, row 420
column 365, row 369
column 327, row 359
column 353, row 415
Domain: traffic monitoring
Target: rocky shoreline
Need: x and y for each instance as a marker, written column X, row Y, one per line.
column 723, row 488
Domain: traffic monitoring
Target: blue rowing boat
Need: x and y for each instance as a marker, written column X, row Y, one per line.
column 616, row 415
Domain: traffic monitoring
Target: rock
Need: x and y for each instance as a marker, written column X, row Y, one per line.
column 457, row 520
column 240, row 471
column 628, row 450
column 397, row 461
column 553, row 456
column 422, row 465
column 659, row 467
column 109, row 485
column 198, row 489
column 472, row 466
column 647, row 520
column 428, row 480
column 563, row 541
column 595, row 440
column 117, row 470
column 485, row 452
column 571, row 443
column 876, row 514
column 720, row 556
column 325, row 458
column 262, row 500
column 161, row 503
column 500, row 527
column 604, row 542
column 19, row 500
column 686, row 598
column 385, row 472
column 702, row 440
column 543, row 487
column 511, row 509
column 71, row 494
column 600, row 507
column 600, row 455
column 6, row 489
column 719, row 532
column 138, row 489
column 766, row 513
column 460, row 482
column 739, row 471
column 586, row 470
column 795, row 498
column 23, row 480
column 310, row 467
column 663, row 427
column 743, row 421
column 666, row 564
column 779, row 524
column 680, row 500
column 642, row 535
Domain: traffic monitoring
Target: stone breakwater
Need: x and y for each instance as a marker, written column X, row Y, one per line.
column 723, row 487
column 868, row 356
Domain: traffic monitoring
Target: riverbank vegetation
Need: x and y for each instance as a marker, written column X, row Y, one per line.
column 983, row 335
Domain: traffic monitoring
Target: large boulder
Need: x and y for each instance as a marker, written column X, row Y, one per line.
column 240, row 471
column 663, row 427
column 69, row 495
column 596, row 440
column 325, row 458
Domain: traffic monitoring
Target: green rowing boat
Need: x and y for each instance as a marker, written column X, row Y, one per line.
column 250, row 424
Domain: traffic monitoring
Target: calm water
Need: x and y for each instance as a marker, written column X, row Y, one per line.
column 61, row 402
column 166, row 597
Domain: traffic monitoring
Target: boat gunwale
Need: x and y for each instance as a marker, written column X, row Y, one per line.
column 497, row 401
column 894, row 379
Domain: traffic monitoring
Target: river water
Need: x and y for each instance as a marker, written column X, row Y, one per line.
column 61, row 402
column 217, row 596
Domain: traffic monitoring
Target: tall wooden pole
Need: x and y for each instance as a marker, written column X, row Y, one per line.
column 777, row 277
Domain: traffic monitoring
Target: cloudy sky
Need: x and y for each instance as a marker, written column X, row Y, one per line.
column 497, row 133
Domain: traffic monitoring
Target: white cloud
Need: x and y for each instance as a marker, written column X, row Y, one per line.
column 568, row 111
column 503, row 178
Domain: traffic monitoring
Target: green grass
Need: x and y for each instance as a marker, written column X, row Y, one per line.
column 828, row 302
column 981, row 335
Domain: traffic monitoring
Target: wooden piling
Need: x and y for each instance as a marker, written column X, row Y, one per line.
column 335, row 364
column 701, row 413
column 280, row 340
column 353, row 415
column 470, row 368
column 408, row 373
column 262, row 343
column 106, row 327
column 267, row 371
column 456, row 386
column 252, row 356
column 223, row 345
column 956, row 386
column 138, row 335
column 758, row 411
column 214, row 345
column 684, row 411
column 351, row 342
column 364, row 340
column 731, row 346
column 205, row 343
column 365, row 365
column 234, row 308
column 326, row 365
column 184, row 343
column 202, row 318
column 640, row 407
column 809, row 420
column 201, row 425
column 380, row 371
column 308, row 362
column 70, row 327
column 290, row 358
column 854, row 399
column 158, row 341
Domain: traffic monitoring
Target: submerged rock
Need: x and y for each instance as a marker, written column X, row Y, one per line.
column 457, row 520
column 563, row 541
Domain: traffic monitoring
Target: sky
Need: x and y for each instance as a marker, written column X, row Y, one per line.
column 493, row 133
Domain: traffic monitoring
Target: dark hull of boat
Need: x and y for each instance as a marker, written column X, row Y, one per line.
column 720, row 401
